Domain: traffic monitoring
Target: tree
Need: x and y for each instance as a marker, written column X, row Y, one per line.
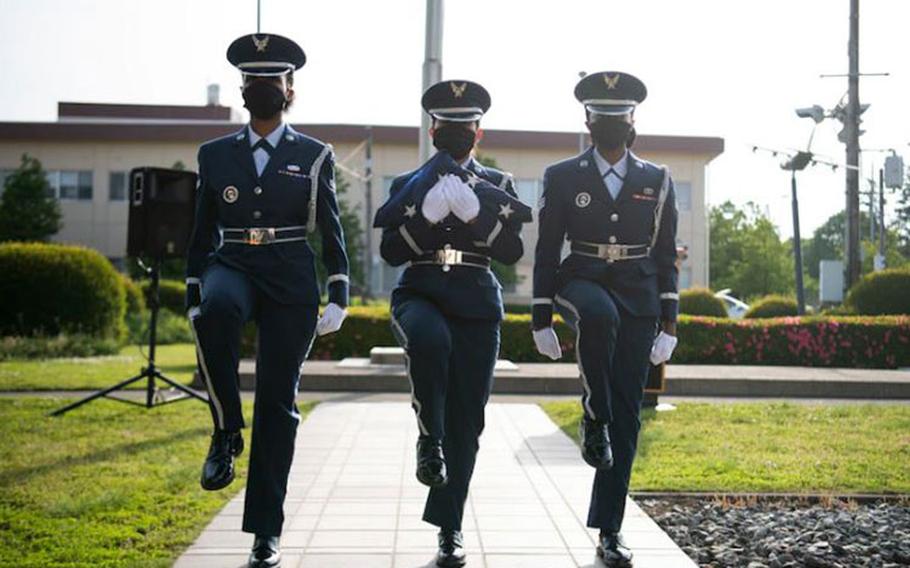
column 901, row 225
column 507, row 274
column 27, row 213
column 827, row 243
column 747, row 254
column 353, row 236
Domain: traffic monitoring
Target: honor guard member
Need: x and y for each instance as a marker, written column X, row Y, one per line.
column 263, row 193
column 618, row 213
column 448, row 219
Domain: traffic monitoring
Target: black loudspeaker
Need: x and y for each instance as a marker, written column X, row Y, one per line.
column 162, row 208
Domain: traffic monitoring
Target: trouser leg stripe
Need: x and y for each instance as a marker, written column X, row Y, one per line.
column 586, row 399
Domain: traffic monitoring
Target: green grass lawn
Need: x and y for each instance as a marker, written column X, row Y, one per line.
column 176, row 361
column 764, row 447
column 105, row 485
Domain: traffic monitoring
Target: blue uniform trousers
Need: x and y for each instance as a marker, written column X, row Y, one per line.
column 612, row 348
column 286, row 331
column 450, row 366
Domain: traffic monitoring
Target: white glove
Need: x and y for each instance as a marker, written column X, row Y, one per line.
column 462, row 199
column 663, row 348
column 547, row 343
column 435, row 206
column 331, row 319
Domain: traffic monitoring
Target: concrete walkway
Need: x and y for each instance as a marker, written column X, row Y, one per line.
column 353, row 500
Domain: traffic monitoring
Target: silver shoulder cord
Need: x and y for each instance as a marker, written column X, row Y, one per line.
column 661, row 199
column 314, row 180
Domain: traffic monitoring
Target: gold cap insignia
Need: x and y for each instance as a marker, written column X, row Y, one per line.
column 261, row 44
column 611, row 81
column 458, row 91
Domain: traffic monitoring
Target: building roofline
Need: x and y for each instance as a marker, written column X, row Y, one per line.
column 199, row 130
column 68, row 110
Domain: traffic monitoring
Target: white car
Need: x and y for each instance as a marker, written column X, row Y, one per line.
column 736, row 308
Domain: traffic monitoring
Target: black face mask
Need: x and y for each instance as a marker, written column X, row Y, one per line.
column 612, row 134
column 454, row 139
column 263, row 99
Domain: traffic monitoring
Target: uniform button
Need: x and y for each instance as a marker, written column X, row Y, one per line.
column 257, row 214
column 612, row 239
column 614, row 217
column 257, row 190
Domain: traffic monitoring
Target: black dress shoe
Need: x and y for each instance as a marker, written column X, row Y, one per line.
column 613, row 551
column 218, row 470
column 431, row 463
column 266, row 553
column 451, row 549
column 595, row 443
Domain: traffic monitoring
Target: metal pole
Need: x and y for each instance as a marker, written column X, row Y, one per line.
column 852, row 127
column 258, row 2
column 432, row 70
column 368, row 254
column 797, row 250
column 881, row 212
column 581, row 133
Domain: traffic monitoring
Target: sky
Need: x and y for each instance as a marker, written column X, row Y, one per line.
column 732, row 69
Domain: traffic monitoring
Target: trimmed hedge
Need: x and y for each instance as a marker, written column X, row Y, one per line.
column 49, row 289
column 135, row 299
column 772, row 306
column 171, row 294
column 880, row 293
column 865, row 342
column 701, row 302
column 75, row 345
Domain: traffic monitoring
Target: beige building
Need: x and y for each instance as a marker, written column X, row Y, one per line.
column 90, row 149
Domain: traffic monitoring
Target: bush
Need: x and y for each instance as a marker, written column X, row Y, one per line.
column 171, row 294
column 870, row 342
column 845, row 341
column 52, row 289
column 701, row 302
column 880, row 293
column 772, row 306
column 75, row 345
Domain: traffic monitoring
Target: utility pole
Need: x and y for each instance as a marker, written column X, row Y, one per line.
column 432, row 70
column 852, row 136
column 368, row 210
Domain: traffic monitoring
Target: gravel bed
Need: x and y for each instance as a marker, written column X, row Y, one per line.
column 786, row 533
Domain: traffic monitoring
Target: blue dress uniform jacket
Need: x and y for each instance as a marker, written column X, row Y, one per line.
column 466, row 293
column 231, row 195
column 448, row 320
column 577, row 206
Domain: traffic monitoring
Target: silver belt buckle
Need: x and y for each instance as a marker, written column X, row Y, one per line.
column 259, row 236
column 448, row 257
column 612, row 252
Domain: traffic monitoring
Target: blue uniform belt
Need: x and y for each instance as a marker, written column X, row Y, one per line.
column 610, row 252
column 449, row 257
column 263, row 235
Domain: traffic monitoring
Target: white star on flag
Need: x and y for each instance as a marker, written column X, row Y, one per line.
column 506, row 210
column 410, row 210
column 472, row 180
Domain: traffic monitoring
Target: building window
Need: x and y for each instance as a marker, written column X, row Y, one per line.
column 70, row 184
column 527, row 191
column 117, row 186
column 683, row 195
column 685, row 277
column 3, row 175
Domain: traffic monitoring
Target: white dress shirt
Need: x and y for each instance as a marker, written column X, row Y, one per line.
column 260, row 156
column 612, row 174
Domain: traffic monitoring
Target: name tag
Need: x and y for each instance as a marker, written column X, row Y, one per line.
column 642, row 197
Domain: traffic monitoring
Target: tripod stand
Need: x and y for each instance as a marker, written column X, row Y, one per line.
column 153, row 396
